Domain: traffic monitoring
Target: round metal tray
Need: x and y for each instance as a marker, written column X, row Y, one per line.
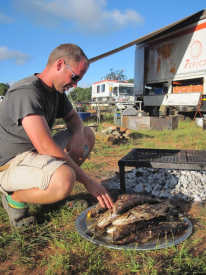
column 81, row 227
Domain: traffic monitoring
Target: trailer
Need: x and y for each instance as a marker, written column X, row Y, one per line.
column 170, row 69
column 119, row 93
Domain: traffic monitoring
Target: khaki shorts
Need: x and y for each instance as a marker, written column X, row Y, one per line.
column 32, row 170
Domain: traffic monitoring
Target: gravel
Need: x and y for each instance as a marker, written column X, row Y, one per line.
column 165, row 183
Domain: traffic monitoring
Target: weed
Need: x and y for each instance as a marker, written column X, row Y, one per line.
column 134, row 265
column 58, row 264
column 91, row 166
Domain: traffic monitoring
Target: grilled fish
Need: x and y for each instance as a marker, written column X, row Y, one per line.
column 118, row 232
column 122, row 204
column 96, row 211
column 155, row 232
column 143, row 212
column 134, row 218
column 106, row 218
column 127, row 201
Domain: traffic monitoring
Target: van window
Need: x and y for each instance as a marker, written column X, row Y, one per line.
column 102, row 88
column 128, row 91
column 98, row 88
column 115, row 91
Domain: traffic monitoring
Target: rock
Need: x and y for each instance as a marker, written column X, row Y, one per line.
column 187, row 185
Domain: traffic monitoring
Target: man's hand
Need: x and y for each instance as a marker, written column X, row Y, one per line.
column 98, row 191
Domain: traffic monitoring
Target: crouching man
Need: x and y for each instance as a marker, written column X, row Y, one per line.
column 36, row 167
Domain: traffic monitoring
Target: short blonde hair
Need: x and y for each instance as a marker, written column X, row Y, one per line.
column 73, row 52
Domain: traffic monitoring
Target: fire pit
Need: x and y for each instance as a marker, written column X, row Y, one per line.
column 162, row 158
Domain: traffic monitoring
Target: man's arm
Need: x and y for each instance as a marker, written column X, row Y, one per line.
column 76, row 127
column 38, row 131
column 74, row 122
column 79, row 140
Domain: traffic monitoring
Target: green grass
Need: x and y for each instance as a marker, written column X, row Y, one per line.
column 54, row 247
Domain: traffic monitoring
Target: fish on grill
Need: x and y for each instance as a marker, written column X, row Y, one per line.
column 134, row 218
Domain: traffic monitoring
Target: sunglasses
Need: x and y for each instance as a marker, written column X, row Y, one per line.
column 75, row 77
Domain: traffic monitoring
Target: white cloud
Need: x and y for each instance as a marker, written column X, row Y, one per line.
column 86, row 15
column 18, row 57
column 5, row 19
column 125, row 18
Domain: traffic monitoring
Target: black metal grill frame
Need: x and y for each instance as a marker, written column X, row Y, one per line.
column 162, row 158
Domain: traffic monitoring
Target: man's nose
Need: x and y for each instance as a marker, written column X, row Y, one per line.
column 74, row 85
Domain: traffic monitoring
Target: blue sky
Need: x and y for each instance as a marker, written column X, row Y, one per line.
column 31, row 29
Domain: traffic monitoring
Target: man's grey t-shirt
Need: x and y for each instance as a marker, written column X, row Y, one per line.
column 26, row 97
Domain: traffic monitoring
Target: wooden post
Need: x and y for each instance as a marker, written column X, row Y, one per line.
column 198, row 108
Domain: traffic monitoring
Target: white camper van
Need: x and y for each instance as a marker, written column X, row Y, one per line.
column 113, row 91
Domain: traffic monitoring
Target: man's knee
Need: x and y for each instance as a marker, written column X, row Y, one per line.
column 88, row 146
column 89, row 141
column 62, row 181
column 90, row 137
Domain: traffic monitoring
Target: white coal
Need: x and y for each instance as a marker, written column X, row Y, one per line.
column 165, row 183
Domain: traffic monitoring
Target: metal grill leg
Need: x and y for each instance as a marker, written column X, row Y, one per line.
column 122, row 178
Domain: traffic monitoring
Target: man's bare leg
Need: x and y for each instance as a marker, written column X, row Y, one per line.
column 62, row 181
column 61, row 185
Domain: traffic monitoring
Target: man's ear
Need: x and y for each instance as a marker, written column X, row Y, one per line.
column 60, row 64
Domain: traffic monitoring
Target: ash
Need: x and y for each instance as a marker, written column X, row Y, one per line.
column 165, row 183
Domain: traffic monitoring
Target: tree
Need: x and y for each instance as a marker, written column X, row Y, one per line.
column 115, row 75
column 3, row 88
column 81, row 94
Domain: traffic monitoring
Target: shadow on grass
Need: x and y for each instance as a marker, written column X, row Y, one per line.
column 139, row 136
column 44, row 213
column 81, row 200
